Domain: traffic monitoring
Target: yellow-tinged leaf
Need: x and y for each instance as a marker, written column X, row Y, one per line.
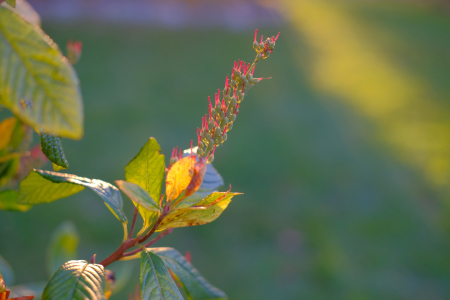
column 205, row 211
column 6, row 130
column 43, row 77
column 179, row 177
column 197, row 178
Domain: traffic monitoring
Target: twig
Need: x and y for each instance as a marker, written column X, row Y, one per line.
column 133, row 223
column 116, row 255
column 160, row 236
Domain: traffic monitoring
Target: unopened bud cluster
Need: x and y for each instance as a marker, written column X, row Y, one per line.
column 226, row 105
column 176, row 156
column 265, row 47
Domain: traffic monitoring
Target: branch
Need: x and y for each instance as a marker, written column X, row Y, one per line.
column 160, row 236
column 134, row 222
column 116, row 255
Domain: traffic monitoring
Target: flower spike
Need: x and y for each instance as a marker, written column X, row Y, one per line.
column 223, row 114
column 224, row 130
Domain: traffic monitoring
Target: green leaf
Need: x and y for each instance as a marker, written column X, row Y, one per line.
column 156, row 282
column 34, row 69
column 147, row 170
column 35, row 189
column 63, row 246
column 204, row 211
column 52, row 147
column 194, row 284
column 6, row 130
column 138, row 195
column 76, row 280
column 46, row 186
column 6, row 271
column 11, row 2
column 8, row 201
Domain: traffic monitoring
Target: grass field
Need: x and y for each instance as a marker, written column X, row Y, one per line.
column 343, row 156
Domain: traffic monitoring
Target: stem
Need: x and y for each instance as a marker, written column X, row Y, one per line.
column 253, row 64
column 161, row 235
column 116, row 255
column 133, row 223
column 125, row 232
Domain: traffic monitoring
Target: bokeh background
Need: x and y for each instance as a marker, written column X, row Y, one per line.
column 343, row 156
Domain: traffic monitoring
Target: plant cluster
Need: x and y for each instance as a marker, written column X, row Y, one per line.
column 39, row 86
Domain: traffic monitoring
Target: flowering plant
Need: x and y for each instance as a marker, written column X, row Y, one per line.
column 190, row 195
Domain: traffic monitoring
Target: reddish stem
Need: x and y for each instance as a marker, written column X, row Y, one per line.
column 130, row 235
column 116, row 255
column 160, row 236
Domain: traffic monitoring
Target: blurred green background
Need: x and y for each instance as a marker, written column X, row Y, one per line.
column 343, row 156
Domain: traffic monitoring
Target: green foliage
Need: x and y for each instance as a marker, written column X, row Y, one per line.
column 156, row 282
column 138, row 195
column 36, row 189
column 147, row 170
column 63, row 246
column 46, row 186
column 43, row 77
column 202, row 212
column 194, row 284
column 41, row 89
column 76, row 280
column 52, row 147
column 8, row 201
